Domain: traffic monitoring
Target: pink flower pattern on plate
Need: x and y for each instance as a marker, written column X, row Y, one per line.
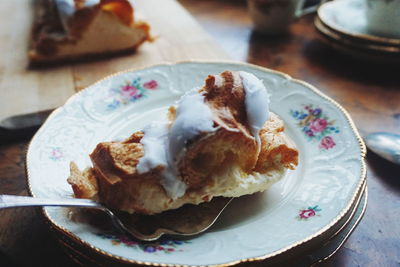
column 327, row 142
column 56, row 154
column 151, row 84
column 309, row 212
column 316, row 126
column 129, row 92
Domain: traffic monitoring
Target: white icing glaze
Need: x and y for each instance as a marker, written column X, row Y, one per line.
column 163, row 147
column 156, row 153
column 67, row 8
column 154, row 142
column 193, row 117
column 256, row 101
column 89, row 3
column 174, row 187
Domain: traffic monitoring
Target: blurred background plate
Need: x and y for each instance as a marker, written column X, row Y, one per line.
column 356, row 48
column 348, row 18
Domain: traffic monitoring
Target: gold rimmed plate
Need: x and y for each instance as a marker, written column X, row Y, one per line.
column 308, row 205
column 308, row 256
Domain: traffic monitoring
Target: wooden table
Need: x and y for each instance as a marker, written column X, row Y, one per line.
column 370, row 92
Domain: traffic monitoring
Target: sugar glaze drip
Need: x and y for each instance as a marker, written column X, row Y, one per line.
column 256, row 102
column 164, row 146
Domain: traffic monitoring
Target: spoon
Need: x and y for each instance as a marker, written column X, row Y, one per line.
column 386, row 145
column 185, row 221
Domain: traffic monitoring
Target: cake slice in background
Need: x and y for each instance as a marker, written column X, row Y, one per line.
column 66, row 30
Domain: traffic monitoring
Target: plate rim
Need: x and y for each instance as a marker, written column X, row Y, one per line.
column 360, row 206
column 360, row 36
column 354, row 42
column 353, row 227
column 332, row 223
column 348, row 47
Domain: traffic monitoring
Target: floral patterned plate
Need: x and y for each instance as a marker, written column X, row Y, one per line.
column 307, row 204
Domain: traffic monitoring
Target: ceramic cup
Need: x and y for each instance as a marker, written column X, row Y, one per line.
column 383, row 17
column 274, row 16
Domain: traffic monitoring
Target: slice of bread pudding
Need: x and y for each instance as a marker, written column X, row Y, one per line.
column 219, row 140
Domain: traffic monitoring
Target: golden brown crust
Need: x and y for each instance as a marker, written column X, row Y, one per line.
column 117, row 160
column 276, row 148
column 84, row 184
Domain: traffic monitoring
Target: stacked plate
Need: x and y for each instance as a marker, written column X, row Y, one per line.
column 304, row 218
column 343, row 24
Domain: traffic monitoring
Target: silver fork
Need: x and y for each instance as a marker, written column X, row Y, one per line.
column 185, row 221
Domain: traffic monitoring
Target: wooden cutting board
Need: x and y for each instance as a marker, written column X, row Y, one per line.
column 177, row 37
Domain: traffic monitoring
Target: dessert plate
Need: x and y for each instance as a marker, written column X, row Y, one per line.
column 307, row 204
column 348, row 18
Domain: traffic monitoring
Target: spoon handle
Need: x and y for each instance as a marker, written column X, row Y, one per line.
column 10, row 201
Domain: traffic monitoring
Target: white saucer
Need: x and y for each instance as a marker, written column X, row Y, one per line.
column 347, row 17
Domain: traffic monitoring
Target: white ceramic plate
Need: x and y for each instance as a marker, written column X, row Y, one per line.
column 302, row 206
column 348, row 17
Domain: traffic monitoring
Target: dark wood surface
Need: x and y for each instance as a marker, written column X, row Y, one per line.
column 370, row 92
